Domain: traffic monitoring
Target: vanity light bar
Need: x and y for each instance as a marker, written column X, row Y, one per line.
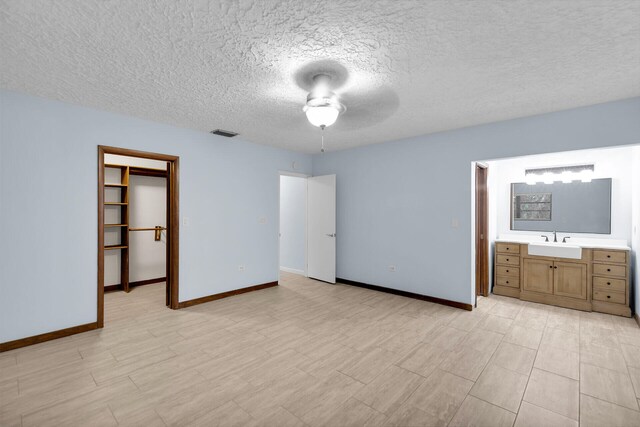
column 565, row 174
column 560, row 170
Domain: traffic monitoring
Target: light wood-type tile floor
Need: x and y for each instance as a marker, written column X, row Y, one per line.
column 309, row 353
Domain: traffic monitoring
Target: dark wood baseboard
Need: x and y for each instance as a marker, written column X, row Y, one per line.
column 36, row 339
column 209, row 298
column 635, row 316
column 442, row 301
column 119, row 287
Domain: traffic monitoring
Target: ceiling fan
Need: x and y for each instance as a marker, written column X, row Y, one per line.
column 335, row 97
column 323, row 106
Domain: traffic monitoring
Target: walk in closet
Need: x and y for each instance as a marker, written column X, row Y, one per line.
column 135, row 206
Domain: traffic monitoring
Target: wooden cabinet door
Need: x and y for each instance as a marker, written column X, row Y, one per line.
column 538, row 276
column 570, row 279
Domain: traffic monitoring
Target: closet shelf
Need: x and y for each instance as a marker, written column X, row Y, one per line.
column 122, row 202
column 110, row 247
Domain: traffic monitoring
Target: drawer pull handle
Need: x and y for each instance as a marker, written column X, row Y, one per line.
column 608, row 256
column 608, row 296
column 507, row 259
column 507, row 282
column 555, row 267
column 551, row 266
column 609, row 283
column 608, row 269
column 507, row 271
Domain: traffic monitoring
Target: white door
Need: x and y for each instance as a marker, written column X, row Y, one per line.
column 321, row 229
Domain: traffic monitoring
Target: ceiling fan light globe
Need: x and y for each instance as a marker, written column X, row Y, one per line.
column 322, row 115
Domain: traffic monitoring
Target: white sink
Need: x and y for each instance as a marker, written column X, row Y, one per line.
column 558, row 250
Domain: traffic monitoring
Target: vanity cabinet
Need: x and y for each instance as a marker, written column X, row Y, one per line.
column 570, row 280
column 611, row 281
column 538, row 276
column 557, row 281
column 507, row 269
column 565, row 279
column 599, row 281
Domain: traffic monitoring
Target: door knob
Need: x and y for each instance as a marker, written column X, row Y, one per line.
column 331, row 235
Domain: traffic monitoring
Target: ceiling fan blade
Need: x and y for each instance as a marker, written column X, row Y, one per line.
column 367, row 108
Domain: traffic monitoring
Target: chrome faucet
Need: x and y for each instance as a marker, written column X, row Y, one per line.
column 555, row 237
column 564, row 239
column 546, row 238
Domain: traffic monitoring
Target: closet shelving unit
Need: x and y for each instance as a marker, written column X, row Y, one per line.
column 123, row 205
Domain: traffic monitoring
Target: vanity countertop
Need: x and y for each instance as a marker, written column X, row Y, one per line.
column 585, row 243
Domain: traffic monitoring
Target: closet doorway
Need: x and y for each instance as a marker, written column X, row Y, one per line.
column 307, row 236
column 293, row 224
column 127, row 178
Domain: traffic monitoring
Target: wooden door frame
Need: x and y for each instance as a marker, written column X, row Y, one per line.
column 482, row 223
column 173, row 182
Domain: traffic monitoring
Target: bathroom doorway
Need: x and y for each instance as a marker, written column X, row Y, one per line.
column 118, row 170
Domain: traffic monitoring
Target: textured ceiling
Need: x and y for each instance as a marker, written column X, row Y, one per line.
column 403, row 68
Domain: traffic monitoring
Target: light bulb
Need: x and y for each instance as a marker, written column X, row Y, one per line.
column 567, row 177
column 547, row 178
column 325, row 115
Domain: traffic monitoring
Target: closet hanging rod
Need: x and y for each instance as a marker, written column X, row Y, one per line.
column 148, row 229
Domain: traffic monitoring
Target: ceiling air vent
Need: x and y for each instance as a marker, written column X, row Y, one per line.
column 224, row 133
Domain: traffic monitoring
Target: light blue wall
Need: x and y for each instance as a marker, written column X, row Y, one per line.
column 48, row 199
column 293, row 223
column 396, row 200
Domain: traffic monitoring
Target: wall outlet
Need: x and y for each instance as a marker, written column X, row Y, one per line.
column 241, row 267
column 455, row 223
column 185, row 221
column 392, row 268
column 262, row 220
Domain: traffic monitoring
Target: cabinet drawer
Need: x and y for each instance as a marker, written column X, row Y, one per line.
column 512, row 282
column 610, row 256
column 610, row 270
column 502, row 270
column 608, row 284
column 509, row 248
column 508, row 259
column 613, row 297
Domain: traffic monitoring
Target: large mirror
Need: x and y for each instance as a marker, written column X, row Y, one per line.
column 575, row 207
